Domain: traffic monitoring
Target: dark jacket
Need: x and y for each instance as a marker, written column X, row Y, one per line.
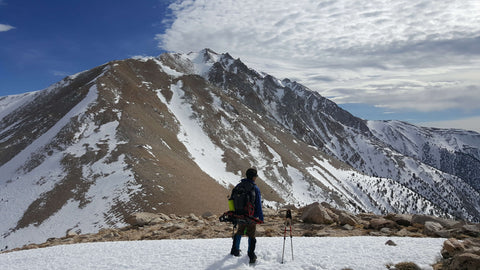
column 258, row 212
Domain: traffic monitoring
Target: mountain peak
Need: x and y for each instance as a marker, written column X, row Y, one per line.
column 150, row 134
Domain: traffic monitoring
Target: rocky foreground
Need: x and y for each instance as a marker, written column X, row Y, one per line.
column 460, row 251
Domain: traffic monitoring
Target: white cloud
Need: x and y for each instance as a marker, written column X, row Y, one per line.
column 471, row 123
column 5, row 27
column 396, row 54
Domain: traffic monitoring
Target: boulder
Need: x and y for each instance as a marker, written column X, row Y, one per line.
column 386, row 230
column 346, row 218
column 390, row 243
column 71, row 233
column 451, row 247
column 446, row 223
column 193, row 217
column 367, row 216
column 471, row 229
column 401, row 219
column 461, row 254
column 144, row 218
column 164, row 217
column 378, row 223
column 331, row 214
column 316, row 214
column 432, row 228
column 465, row 261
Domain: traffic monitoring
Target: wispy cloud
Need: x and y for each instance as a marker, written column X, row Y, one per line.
column 6, row 27
column 59, row 73
column 421, row 55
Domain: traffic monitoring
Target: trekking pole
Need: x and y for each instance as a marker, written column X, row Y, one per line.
column 284, row 238
column 289, row 220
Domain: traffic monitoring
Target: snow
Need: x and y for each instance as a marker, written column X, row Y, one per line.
column 203, row 151
column 114, row 182
column 167, row 69
column 362, row 252
column 201, row 65
column 9, row 104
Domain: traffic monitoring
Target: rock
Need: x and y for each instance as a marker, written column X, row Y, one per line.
column 386, row 230
column 367, row 216
column 471, row 229
column 71, row 233
column 345, row 218
column 446, row 223
column 144, row 218
column 472, row 243
column 465, row 261
column 378, row 223
column 207, row 215
column 403, row 233
column 451, row 247
column 332, row 215
column 460, row 255
column 348, row 227
column 407, row 266
column 432, row 228
column 317, row 214
column 164, row 217
column 390, row 243
column 401, row 219
column 192, row 217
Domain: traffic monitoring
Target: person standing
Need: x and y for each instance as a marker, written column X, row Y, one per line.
column 248, row 226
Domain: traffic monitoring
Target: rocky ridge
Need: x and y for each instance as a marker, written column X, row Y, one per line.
column 314, row 220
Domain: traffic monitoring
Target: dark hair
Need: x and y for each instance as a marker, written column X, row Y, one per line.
column 251, row 173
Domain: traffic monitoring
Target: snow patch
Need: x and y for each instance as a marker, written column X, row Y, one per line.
column 327, row 253
column 204, row 152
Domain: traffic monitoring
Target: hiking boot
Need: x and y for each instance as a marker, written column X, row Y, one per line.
column 253, row 258
column 235, row 252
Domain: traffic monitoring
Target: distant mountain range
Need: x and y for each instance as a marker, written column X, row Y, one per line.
column 174, row 133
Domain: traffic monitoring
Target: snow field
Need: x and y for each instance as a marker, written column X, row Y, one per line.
column 309, row 253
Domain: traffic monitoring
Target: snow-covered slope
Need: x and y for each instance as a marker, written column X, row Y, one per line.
column 174, row 133
column 450, row 184
column 452, row 151
column 328, row 253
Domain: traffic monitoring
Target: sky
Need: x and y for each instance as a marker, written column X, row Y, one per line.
column 415, row 61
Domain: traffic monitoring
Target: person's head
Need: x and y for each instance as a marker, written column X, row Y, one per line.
column 251, row 174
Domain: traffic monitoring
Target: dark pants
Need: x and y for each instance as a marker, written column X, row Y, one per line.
column 249, row 230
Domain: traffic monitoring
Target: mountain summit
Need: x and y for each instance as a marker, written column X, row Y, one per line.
column 174, row 133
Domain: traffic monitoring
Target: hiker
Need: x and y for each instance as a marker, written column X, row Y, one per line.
column 246, row 227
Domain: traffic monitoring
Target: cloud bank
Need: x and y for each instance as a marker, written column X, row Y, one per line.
column 401, row 55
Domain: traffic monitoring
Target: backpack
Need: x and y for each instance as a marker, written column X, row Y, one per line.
column 243, row 196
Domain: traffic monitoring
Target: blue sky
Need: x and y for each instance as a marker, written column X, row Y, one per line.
column 416, row 61
column 53, row 39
